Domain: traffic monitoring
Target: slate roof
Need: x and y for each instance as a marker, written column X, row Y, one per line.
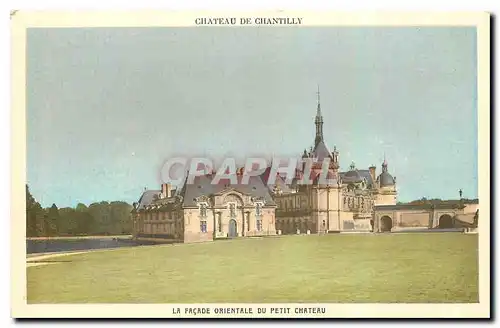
column 147, row 198
column 385, row 179
column 329, row 175
column 279, row 181
column 348, row 177
column 321, row 151
column 202, row 185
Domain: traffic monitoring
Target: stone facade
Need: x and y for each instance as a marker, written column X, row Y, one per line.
column 357, row 200
column 389, row 218
column 215, row 212
column 346, row 204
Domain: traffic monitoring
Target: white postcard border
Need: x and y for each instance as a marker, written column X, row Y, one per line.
column 22, row 20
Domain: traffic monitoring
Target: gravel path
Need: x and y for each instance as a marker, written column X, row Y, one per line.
column 39, row 260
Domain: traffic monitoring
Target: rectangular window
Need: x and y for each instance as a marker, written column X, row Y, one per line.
column 258, row 209
column 259, row 224
column 203, row 226
column 219, row 223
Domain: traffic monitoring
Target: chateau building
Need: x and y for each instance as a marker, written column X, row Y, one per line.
column 203, row 211
column 346, row 203
column 358, row 200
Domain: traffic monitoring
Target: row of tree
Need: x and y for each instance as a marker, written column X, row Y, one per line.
column 104, row 218
column 436, row 201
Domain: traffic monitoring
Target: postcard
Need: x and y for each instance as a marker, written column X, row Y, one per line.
column 273, row 164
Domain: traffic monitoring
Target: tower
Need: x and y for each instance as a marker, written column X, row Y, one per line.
column 318, row 122
column 387, row 193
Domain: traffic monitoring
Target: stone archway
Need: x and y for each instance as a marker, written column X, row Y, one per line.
column 385, row 224
column 445, row 222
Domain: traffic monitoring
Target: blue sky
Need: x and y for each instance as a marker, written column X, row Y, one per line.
column 107, row 106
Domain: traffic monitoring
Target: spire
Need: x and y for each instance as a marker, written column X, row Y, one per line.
column 318, row 109
column 318, row 94
column 318, row 121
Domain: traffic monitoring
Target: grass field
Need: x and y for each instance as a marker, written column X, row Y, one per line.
column 418, row 267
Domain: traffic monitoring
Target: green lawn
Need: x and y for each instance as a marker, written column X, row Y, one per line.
column 418, row 267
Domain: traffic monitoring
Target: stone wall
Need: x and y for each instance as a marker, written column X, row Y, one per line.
column 218, row 222
column 386, row 197
column 290, row 225
column 413, row 219
column 192, row 226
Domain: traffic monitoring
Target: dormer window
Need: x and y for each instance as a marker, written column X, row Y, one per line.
column 203, row 209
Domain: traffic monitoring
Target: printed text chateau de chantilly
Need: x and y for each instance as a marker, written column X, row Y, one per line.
column 248, row 21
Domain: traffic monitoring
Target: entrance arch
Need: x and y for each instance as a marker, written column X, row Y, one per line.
column 385, row 224
column 233, row 229
column 445, row 221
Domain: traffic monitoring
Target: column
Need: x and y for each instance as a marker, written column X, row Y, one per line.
column 219, row 223
column 248, row 223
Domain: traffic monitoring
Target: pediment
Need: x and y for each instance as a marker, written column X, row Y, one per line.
column 230, row 190
column 203, row 199
column 258, row 199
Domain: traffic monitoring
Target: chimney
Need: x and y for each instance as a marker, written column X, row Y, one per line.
column 166, row 190
column 372, row 169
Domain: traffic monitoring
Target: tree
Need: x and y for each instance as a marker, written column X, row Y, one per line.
column 52, row 221
column 85, row 223
column 96, row 219
column 120, row 218
column 81, row 208
column 67, row 221
column 101, row 213
column 34, row 215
